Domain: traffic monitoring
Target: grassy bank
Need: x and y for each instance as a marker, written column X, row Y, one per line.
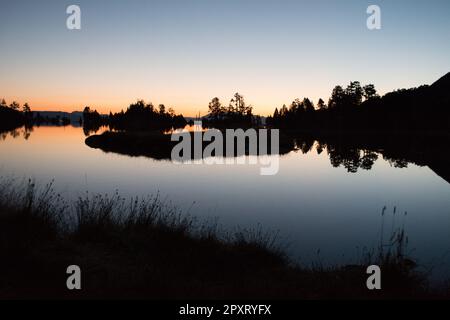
column 143, row 248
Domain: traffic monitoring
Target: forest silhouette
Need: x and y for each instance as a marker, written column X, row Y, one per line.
column 354, row 127
column 359, row 109
column 353, row 109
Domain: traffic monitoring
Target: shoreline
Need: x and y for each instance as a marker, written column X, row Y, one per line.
column 145, row 249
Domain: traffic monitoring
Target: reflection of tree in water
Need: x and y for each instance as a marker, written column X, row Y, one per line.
column 361, row 152
column 349, row 157
column 320, row 147
column 354, row 155
column 368, row 159
column 15, row 133
column 91, row 129
column 354, row 159
column 25, row 132
column 397, row 163
column 305, row 145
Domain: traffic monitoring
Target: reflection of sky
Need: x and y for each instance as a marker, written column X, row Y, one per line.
column 183, row 53
column 312, row 204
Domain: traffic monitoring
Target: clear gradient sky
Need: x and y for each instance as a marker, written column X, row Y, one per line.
column 184, row 52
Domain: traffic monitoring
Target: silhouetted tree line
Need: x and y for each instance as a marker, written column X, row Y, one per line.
column 139, row 116
column 359, row 108
column 92, row 121
column 236, row 114
column 11, row 117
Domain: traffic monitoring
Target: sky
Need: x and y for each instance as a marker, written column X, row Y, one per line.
column 182, row 53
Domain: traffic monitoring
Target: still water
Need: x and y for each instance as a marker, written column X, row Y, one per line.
column 322, row 213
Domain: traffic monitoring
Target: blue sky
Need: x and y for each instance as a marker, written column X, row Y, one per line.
column 183, row 53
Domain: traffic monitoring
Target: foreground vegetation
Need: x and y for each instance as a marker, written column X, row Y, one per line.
column 147, row 249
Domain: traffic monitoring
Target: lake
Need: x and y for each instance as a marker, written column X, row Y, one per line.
column 323, row 213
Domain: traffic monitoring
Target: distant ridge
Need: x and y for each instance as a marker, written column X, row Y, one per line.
column 73, row 116
column 443, row 82
column 441, row 89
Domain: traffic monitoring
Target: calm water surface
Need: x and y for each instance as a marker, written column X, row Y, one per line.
column 312, row 204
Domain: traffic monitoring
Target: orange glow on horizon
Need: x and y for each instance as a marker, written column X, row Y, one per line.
column 189, row 107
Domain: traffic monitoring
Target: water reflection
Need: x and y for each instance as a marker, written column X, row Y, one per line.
column 310, row 201
column 361, row 152
column 23, row 132
column 351, row 153
column 354, row 153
